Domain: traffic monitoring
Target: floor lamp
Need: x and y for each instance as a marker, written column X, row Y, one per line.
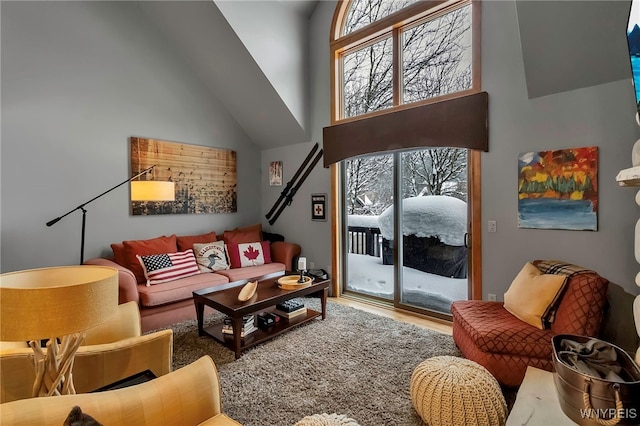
column 141, row 190
column 57, row 303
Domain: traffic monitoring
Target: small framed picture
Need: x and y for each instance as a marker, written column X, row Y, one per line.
column 275, row 173
column 319, row 207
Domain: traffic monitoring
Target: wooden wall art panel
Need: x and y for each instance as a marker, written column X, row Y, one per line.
column 205, row 178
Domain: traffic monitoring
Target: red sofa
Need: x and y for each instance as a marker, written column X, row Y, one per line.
column 488, row 334
column 164, row 304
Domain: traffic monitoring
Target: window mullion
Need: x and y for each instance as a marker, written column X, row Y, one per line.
column 397, row 67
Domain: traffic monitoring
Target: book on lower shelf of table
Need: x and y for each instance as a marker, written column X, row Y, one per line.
column 292, row 314
column 246, row 320
column 248, row 325
column 227, row 329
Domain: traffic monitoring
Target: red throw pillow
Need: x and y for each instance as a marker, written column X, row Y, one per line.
column 186, row 242
column 119, row 254
column 157, row 245
column 249, row 254
column 247, row 234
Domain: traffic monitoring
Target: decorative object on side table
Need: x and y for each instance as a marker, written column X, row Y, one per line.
column 54, row 303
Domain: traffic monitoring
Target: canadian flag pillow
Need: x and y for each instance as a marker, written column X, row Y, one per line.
column 249, row 254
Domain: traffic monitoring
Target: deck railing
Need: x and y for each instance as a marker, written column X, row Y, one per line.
column 365, row 240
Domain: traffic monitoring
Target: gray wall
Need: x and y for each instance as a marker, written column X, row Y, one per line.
column 295, row 221
column 601, row 115
column 79, row 78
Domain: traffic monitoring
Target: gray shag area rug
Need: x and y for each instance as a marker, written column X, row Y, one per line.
column 354, row 363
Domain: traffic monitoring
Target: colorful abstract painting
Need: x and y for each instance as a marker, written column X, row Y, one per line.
column 558, row 189
column 205, row 178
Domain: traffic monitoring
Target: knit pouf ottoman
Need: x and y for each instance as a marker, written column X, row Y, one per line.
column 325, row 419
column 447, row 390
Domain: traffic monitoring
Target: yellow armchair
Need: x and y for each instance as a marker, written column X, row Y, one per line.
column 111, row 352
column 189, row 396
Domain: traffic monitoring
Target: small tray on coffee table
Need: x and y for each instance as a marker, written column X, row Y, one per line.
column 292, row 282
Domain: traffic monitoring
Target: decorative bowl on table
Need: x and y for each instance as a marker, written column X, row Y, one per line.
column 291, row 282
column 248, row 291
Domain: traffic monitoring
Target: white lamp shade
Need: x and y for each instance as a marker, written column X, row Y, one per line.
column 53, row 302
column 152, row 190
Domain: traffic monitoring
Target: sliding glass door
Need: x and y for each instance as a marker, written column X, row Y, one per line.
column 368, row 193
column 425, row 269
column 433, row 219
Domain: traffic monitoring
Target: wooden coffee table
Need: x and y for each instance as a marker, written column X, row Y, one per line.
column 268, row 295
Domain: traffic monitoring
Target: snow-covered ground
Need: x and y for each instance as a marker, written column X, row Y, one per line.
column 368, row 275
column 424, row 216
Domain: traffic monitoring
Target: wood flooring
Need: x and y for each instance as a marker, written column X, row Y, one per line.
column 396, row 314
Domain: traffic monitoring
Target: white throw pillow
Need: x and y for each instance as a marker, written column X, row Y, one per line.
column 211, row 256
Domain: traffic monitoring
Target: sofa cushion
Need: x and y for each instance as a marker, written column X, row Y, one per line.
column 252, row 271
column 249, row 254
column 157, row 245
column 494, row 330
column 211, row 256
column 186, row 242
column 508, row 369
column 162, row 268
column 247, row 234
column 533, row 295
column 178, row 290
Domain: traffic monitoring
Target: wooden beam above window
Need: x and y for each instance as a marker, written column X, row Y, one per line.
column 459, row 122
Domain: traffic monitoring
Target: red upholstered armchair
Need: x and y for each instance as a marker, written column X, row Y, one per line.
column 490, row 335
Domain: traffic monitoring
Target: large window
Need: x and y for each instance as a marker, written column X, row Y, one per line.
column 436, row 56
column 365, row 12
column 368, row 78
column 389, row 55
column 401, row 56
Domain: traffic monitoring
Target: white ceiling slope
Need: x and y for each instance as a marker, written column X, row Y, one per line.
column 275, row 34
column 223, row 63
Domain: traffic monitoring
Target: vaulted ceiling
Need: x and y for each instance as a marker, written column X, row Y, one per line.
column 252, row 55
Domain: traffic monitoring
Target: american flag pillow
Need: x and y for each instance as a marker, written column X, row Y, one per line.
column 161, row 268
